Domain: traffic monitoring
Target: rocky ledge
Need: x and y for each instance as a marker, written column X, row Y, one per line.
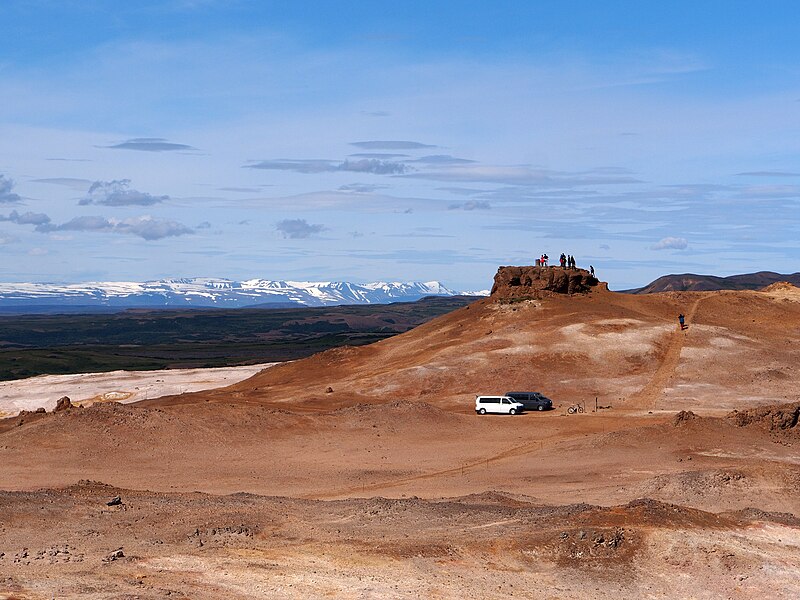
column 535, row 282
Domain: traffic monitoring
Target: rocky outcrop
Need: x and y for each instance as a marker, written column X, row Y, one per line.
column 63, row 403
column 782, row 419
column 535, row 282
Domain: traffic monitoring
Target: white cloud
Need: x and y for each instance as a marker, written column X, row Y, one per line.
column 118, row 193
column 145, row 227
column 298, row 228
column 6, row 195
column 670, row 243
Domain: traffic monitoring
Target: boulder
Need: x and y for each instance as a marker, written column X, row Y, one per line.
column 63, row 403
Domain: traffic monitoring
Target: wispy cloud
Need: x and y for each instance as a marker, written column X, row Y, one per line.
column 360, row 188
column 299, row 165
column 374, row 166
column 6, row 238
column 70, row 182
column 28, row 218
column 379, row 155
column 768, row 174
column 670, row 243
column 149, row 145
column 470, row 205
column 145, row 227
column 364, row 165
column 521, row 175
column 241, row 190
column 298, row 228
column 119, row 193
column 391, row 145
column 6, row 195
column 442, row 159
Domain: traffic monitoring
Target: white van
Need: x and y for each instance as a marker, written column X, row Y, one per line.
column 497, row 404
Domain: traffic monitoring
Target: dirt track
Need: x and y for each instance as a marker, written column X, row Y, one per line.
column 534, row 493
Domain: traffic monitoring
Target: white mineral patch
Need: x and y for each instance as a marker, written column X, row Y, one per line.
column 115, row 386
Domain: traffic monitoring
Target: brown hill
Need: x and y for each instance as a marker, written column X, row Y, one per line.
column 382, row 481
column 689, row 282
column 740, row 350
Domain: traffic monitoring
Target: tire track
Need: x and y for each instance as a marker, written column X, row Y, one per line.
column 514, row 451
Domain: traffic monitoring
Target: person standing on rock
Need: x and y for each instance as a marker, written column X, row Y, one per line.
column 681, row 320
column 563, row 260
column 591, row 270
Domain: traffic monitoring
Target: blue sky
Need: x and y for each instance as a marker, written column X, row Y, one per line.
column 415, row 141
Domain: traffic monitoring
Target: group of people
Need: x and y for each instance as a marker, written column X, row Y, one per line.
column 567, row 261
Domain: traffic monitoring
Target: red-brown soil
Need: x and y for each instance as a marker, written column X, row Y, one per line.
column 389, row 486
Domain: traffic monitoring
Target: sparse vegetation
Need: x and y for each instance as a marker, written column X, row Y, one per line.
column 147, row 340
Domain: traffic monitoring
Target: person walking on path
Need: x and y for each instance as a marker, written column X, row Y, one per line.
column 682, row 321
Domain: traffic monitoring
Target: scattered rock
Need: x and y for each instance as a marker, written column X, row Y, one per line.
column 329, row 390
column 115, row 555
column 40, row 410
column 775, row 419
column 115, row 501
column 64, row 403
column 683, row 417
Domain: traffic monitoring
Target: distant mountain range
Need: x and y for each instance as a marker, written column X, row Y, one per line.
column 209, row 292
column 689, row 282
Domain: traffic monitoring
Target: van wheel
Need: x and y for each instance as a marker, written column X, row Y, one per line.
column 512, row 411
column 482, row 411
column 541, row 407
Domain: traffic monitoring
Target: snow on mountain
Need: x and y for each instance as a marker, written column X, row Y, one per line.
column 214, row 292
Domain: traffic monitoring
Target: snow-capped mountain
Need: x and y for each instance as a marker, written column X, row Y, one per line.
column 211, row 292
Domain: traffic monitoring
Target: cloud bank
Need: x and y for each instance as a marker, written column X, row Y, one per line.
column 145, row 227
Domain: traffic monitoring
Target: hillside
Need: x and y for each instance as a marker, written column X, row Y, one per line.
column 364, row 471
column 689, row 282
column 626, row 350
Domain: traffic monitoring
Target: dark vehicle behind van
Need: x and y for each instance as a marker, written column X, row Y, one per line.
column 531, row 400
